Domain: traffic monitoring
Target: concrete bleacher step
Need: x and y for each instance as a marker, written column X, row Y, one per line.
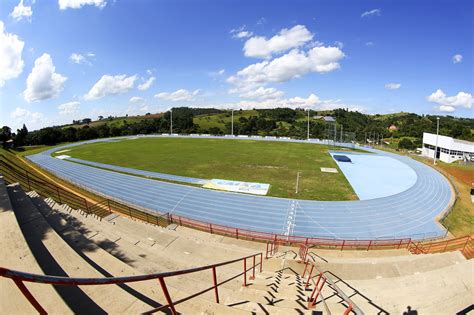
column 57, row 257
column 16, row 254
column 147, row 290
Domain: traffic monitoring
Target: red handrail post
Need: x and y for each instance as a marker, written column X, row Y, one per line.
column 348, row 310
column 305, row 268
column 214, row 278
column 368, row 247
column 261, row 262
column 266, row 252
column 309, row 276
column 342, row 246
column 210, row 228
column 29, row 296
column 399, row 244
column 315, row 287
column 245, row 272
column 237, row 233
column 253, row 269
column 167, row 295
column 180, row 223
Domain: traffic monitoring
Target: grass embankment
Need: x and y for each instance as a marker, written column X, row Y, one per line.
column 460, row 221
column 275, row 163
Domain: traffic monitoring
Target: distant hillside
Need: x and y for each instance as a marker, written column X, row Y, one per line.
column 284, row 122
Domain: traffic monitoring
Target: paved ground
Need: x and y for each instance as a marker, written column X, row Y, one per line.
column 410, row 213
column 376, row 175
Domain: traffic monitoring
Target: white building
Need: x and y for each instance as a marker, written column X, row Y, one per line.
column 449, row 149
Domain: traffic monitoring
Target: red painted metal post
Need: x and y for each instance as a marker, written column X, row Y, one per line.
column 319, row 291
column 245, row 272
column 180, row 223
column 368, row 247
column 29, row 297
column 399, row 244
column 167, row 295
column 266, row 252
column 315, row 287
column 130, row 212
column 261, row 262
column 305, row 268
column 214, row 278
column 253, row 269
column 237, row 233
column 210, row 228
column 342, row 246
column 348, row 310
column 309, row 276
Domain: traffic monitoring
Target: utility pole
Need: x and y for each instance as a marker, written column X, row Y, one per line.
column 171, row 125
column 308, row 125
column 437, row 134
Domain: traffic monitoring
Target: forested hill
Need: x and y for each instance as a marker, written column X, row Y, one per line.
column 271, row 122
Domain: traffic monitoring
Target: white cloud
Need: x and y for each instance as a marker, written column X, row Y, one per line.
column 457, row 58
column 289, row 66
column 449, row 103
column 82, row 59
column 137, row 99
column 21, row 11
column 77, row 4
column 111, row 85
column 240, row 32
column 221, row 72
column 374, row 12
column 26, row 116
column 392, row 86
column 146, row 85
column 43, row 82
column 261, row 47
column 262, row 93
column 179, row 95
column 312, row 101
column 446, row 108
column 11, row 48
column 69, row 108
column 338, row 44
column 369, row 44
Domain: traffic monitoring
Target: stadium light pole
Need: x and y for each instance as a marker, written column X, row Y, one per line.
column 308, row 125
column 171, row 125
column 437, row 134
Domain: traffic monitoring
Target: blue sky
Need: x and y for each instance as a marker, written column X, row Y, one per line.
column 70, row 59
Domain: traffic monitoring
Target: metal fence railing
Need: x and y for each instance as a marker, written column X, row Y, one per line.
column 19, row 278
column 465, row 244
column 318, row 284
column 14, row 173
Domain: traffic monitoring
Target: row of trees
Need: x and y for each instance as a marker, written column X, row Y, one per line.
column 273, row 122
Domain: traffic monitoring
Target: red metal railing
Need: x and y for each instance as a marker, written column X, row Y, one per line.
column 321, row 280
column 272, row 249
column 291, row 240
column 106, row 206
column 464, row 244
column 19, row 278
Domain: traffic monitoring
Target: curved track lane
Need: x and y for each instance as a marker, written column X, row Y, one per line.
column 411, row 213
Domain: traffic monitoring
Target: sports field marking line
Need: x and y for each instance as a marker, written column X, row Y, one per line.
column 177, row 204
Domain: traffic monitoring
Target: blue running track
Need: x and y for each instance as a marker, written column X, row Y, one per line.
column 410, row 213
